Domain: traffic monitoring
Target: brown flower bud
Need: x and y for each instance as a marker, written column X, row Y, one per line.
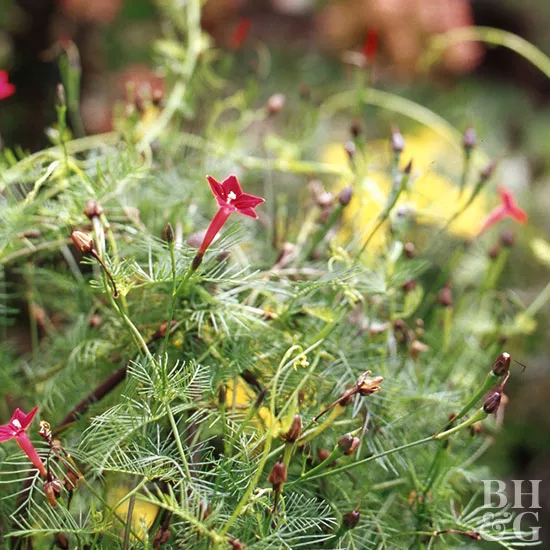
column 161, row 538
column 52, row 490
column 345, row 195
column 501, row 366
column 222, row 395
column 355, row 129
column 492, row 400
column 470, row 139
column 277, row 476
column 410, row 250
column 83, row 242
column 92, row 210
column 408, row 169
column 168, row 233
column 236, row 544
column 61, row 541
column 507, row 239
column 397, row 141
column 95, row 321
column 345, row 442
column 409, row 286
column 367, row 385
column 354, row 444
column 276, row 103
column 295, row 430
column 445, row 297
column 351, row 519
column 494, row 252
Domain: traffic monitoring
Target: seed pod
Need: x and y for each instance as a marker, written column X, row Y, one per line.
column 367, row 385
column 92, row 210
column 61, row 541
column 295, row 430
column 52, row 490
column 351, row 519
column 501, row 366
column 83, row 242
column 277, row 476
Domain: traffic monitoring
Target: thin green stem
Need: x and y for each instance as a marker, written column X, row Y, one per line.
column 179, row 444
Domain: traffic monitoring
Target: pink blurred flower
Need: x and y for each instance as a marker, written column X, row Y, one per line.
column 6, row 88
column 17, row 429
column 507, row 208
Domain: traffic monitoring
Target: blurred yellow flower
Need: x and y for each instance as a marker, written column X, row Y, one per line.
column 432, row 194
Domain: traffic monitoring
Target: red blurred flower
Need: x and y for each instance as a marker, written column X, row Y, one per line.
column 230, row 198
column 17, row 428
column 239, row 34
column 507, row 208
column 370, row 47
column 6, row 88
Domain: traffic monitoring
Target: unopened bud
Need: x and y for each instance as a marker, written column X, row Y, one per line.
column 492, row 401
column 408, row 169
column 60, row 96
column 83, row 242
column 168, row 233
column 354, row 444
column 95, row 321
column 397, row 141
column 410, row 250
column 351, row 519
column 222, row 395
column 295, row 430
column 409, row 286
column 236, row 544
column 445, row 297
column 355, row 129
column 367, row 385
column 345, row 443
column 61, row 541
column 501, row 366
column 494, row 252
column 345, row 195
column 277, row 476
column 470, row 139
column 52, row 490
column 487, row 172
column 507, row 239
column 350, row 149
column 92, row 209
column 276, row 103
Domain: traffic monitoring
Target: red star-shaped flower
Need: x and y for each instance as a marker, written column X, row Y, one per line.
column 230, row 198
column 507, row 208
column 6, row 88
column 17, row 429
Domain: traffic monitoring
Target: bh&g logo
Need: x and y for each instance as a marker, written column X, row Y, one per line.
column 523, row 501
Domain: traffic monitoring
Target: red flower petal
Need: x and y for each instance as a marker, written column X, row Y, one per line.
column 240, row 33
column 28, row 448
column 248, row 212
column 231, row 184
column 24, row 419
column 247, row 201
column 6, row 433
column 216, row 187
